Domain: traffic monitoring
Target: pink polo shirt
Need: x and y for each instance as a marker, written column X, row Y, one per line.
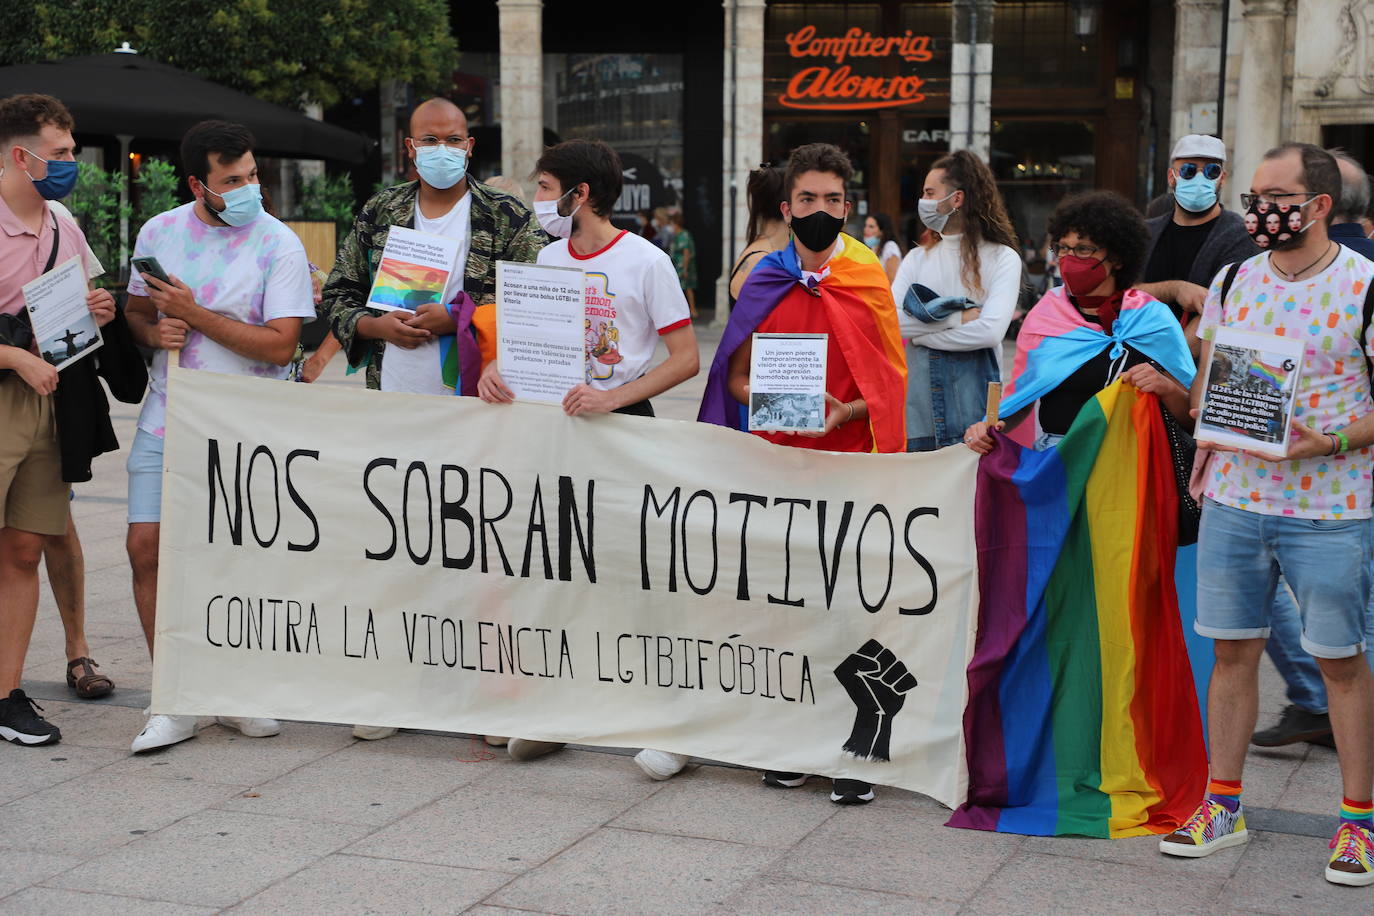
column 23, row 254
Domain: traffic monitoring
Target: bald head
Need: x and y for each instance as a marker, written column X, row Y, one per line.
column 437, row 112
column 1354, row 188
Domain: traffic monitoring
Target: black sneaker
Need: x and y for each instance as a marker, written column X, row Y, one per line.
column 851, row 792
column 780, row 780
column 20, row 722
column 1295, row 724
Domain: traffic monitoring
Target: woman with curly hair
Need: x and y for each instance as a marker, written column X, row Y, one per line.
column 955, row 295
column 1097, row 328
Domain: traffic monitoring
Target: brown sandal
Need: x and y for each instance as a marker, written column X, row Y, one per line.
column 89, row 685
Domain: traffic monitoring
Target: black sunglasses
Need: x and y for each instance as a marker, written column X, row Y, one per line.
column 1211, row 171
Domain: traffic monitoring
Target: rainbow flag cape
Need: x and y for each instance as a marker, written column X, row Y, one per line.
column 1082, row 715
column 858, row 302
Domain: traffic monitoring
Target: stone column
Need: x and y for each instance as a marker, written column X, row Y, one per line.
column 1259, row 102
column 1197, row 69
column 743, row 108
column 970, row 78
column 522, row 87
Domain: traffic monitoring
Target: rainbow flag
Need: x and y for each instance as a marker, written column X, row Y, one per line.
column 1273, row 375
column 1082, row 715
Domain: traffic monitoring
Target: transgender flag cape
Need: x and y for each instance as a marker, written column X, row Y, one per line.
column 1082, row 715
column 858, row 304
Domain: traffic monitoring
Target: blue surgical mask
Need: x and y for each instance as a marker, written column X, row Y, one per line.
column 1196, row 194
column 241, row 205
column 60, row 180
column 441, row 167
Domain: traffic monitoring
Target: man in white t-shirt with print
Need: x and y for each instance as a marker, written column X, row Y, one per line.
column 239, row 291
column 633, row 299
column 1305, row 517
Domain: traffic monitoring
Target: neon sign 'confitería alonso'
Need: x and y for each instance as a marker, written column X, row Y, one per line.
column 838, row 88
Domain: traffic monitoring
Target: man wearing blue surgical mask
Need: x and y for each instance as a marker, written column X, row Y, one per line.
column 404, row 351
column 1200, row 237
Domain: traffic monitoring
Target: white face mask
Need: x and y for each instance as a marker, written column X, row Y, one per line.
column 929, row 211
column 553, row 222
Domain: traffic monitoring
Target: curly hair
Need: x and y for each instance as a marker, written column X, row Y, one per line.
column 27, row 114
column 985, row 216
column 817, row 157
column 1109, row 222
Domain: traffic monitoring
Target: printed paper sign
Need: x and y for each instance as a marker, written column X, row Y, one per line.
column 63, row 325
column 787, row 382
column 540, row 321
column 414, row 270
column 1250, row 390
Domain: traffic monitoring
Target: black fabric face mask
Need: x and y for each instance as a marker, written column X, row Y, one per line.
column 817, row 231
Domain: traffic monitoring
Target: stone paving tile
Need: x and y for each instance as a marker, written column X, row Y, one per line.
column 1140, row 851
column 24, row 867
column 1270, row 771
column 96, row 725
column 214, row 858
column 484, row 909
column 29, row 770
column 359, row 885
column 354, row 786
column 86, row 816
column 769, row 895
column 896, row 851
column 732, row 805
column 1315, row 786
column 45, row 901
column 628, row 872
column 1283, row 874
column 221, row 754
column 499, row 831
column 584, row 774
column 1034, row 883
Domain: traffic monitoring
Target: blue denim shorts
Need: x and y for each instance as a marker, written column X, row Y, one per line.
column 1240, row 556
column 145, row 478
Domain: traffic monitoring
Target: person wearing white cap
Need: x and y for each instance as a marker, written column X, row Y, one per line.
column 1189, row 246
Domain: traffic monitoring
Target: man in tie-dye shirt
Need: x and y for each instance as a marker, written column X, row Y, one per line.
column 239, row 290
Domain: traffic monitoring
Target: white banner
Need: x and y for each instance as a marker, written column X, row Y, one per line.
column 425, row 562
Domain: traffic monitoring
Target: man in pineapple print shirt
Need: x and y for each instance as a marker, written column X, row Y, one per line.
column 1305, row 517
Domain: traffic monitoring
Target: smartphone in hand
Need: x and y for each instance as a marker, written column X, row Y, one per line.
column 152, row 268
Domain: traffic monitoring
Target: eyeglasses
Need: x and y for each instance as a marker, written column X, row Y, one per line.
column 431, row 142
column 1211, row 171
column 1080, row 251
column 1249, row 200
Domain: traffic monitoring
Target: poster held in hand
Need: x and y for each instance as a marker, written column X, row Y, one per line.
column 1250, row 391
column 540, row 330
column 414, row 270
column 787, row 382
column 63, row 325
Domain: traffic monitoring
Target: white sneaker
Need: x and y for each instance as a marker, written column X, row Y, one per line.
column 251, row 728
column 373, row 732
column 162, row 731
column 527, row 749
column 660, row 764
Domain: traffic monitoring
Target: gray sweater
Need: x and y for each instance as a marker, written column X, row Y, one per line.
column 1226, row 243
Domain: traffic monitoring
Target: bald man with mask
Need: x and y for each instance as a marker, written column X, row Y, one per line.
column 400, row 350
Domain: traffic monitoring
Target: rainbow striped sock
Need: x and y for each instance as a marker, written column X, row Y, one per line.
column 1359, row 813
column 1225, row 792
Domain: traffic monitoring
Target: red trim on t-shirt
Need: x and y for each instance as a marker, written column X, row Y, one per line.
column 585, row 257
column 674, row 326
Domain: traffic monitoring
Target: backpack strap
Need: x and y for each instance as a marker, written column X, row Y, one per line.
column 1231, row 272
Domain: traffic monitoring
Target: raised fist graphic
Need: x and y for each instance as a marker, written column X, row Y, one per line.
column 878, row 684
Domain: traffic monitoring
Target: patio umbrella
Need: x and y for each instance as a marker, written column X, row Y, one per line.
column 123, row 94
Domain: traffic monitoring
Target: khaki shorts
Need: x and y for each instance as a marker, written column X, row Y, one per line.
column 32, row 495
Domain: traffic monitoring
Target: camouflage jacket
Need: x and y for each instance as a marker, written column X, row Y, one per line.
column 501, row 228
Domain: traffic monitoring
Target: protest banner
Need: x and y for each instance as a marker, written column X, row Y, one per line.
column 440, row 563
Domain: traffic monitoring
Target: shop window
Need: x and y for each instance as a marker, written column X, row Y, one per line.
column 1034, row 47
column 634, row 102
column 1037, row 163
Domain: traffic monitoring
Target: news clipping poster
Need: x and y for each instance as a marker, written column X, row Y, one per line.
column 63, row 326
column 540, row 314
column 1250, row 391
column 787, row 382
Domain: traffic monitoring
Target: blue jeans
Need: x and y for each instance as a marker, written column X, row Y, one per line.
column 1299, row 670
column 947, row 392
column 1241, row 556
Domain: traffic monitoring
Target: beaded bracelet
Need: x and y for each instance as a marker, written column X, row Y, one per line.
column 1335, row 444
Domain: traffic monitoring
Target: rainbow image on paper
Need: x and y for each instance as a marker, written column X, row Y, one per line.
column 1273, row 375
column 401, row 285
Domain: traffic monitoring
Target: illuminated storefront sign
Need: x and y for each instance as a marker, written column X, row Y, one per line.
column 837, row 87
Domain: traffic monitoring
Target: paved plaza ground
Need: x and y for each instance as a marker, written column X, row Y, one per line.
column 314, row 821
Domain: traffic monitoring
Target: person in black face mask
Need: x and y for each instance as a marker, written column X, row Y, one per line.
column 824, row 283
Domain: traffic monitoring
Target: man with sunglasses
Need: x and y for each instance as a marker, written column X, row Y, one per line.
column 1200, row 237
